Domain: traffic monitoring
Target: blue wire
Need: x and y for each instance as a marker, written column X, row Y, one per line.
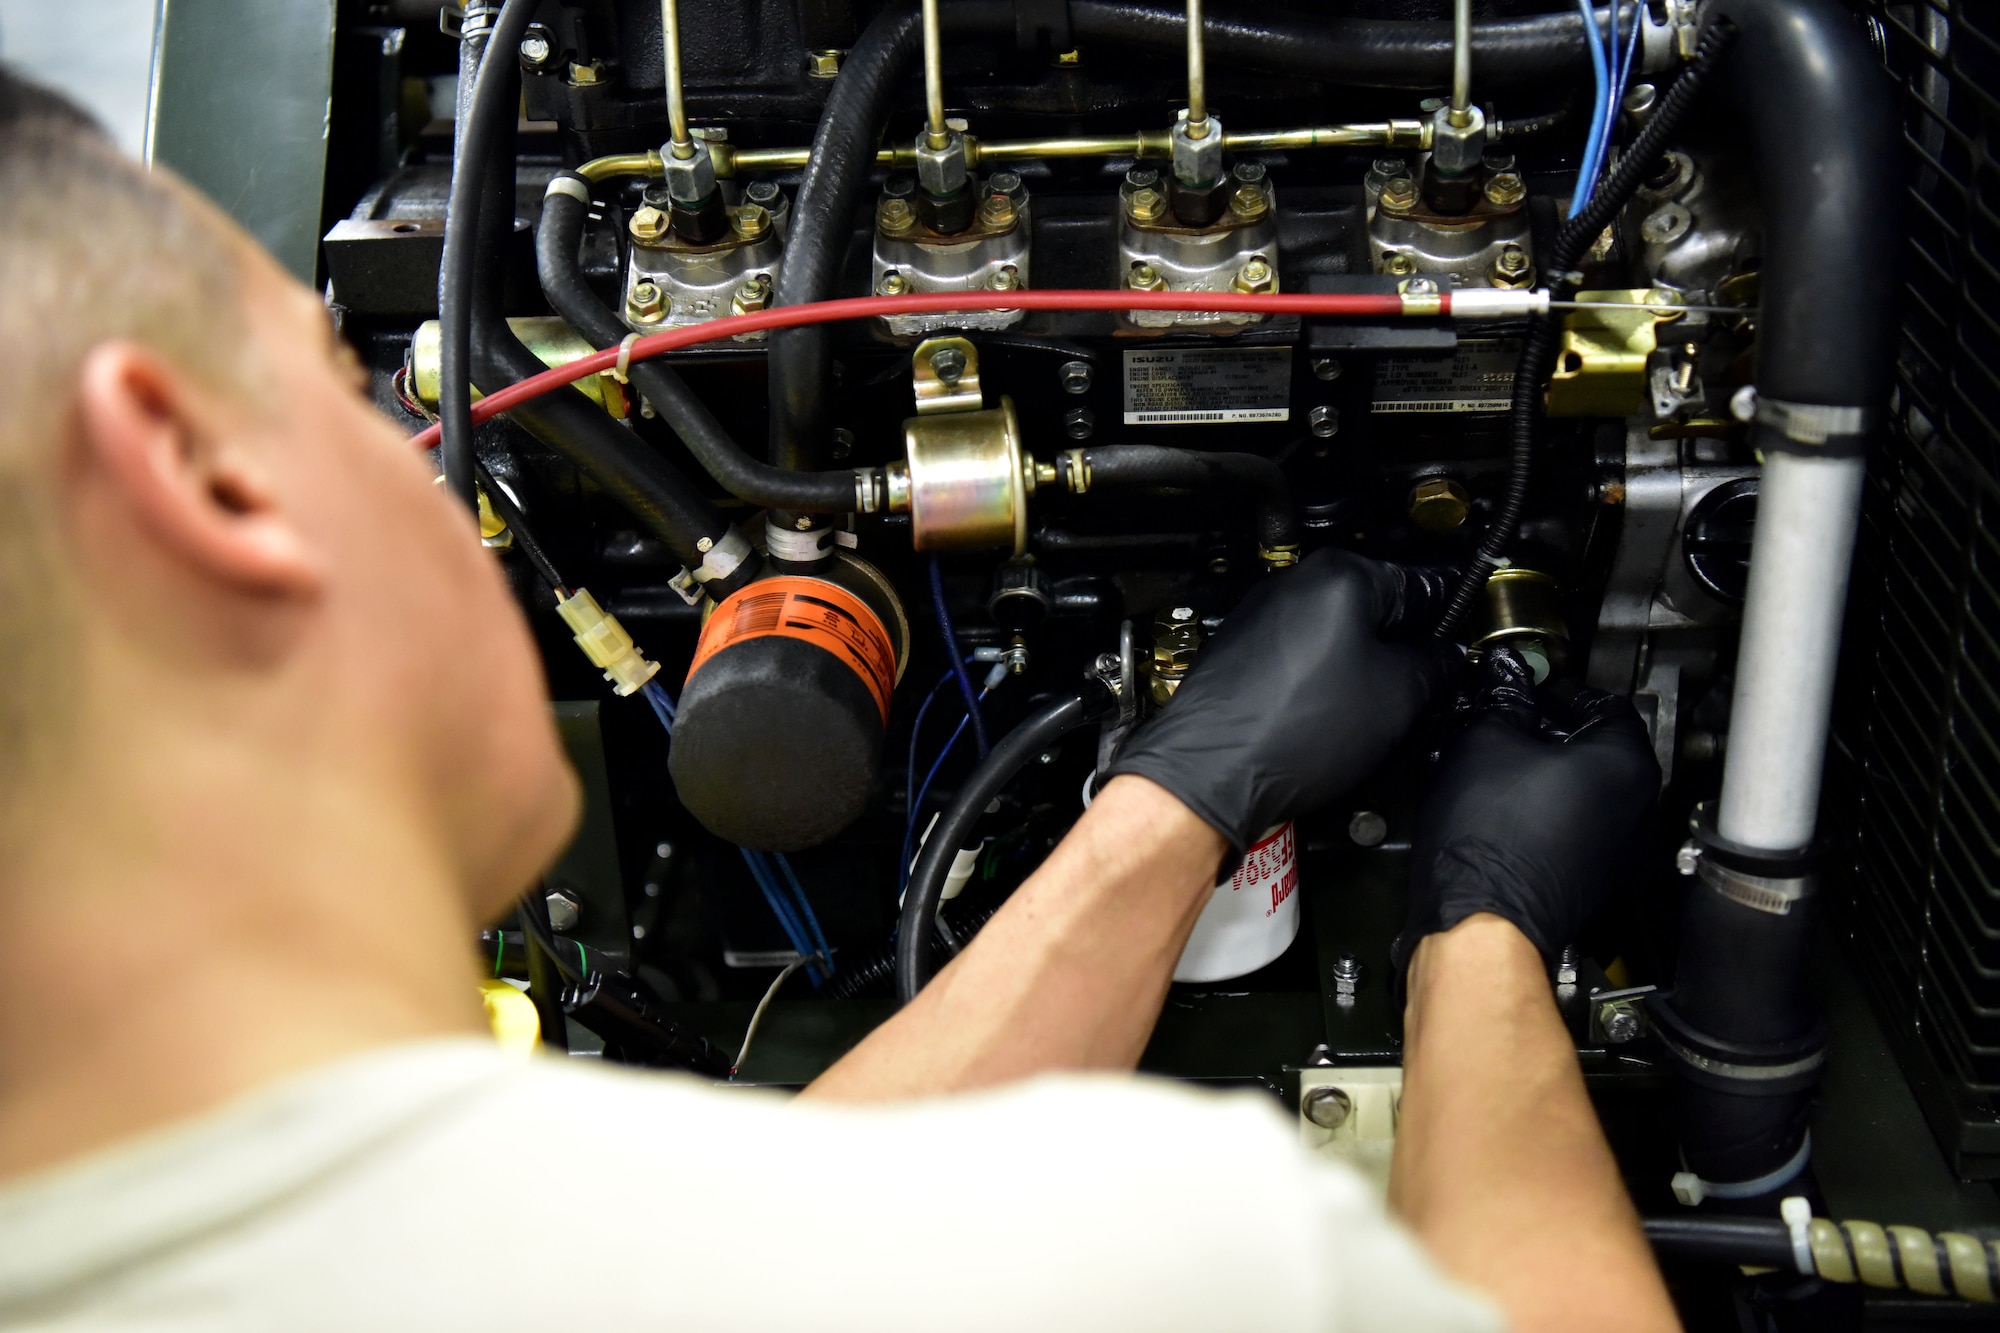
column 805, row 909
column 1621, row 74
column 910, row 777
column 663, row 707
column 951, row 646
column 794, row 932
column 1586, row 176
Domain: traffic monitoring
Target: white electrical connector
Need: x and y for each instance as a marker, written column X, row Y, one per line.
column 605, row 642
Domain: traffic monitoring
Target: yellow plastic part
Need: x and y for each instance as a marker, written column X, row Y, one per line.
column 605, row 642
column 1920, row 1264
column 1829, row 1251
column 1968, row 1265
column 1871, row 1253
column 511, row 1015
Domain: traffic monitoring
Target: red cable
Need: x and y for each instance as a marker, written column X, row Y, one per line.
column 928, row 303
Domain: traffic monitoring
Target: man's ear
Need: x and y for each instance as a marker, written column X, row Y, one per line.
column 165, row 445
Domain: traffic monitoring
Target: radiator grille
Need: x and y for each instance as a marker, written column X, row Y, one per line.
column 1916, row 784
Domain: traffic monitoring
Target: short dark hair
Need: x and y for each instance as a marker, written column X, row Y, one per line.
column 93, row 247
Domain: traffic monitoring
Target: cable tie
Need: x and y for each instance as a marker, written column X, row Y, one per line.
column 619, row 371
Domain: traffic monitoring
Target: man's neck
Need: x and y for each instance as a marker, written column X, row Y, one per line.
column 201, row 920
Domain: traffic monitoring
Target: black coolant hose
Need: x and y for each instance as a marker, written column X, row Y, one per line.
column 822, row 223
column 1148, row 465
column 1943, row 1263
column 1036, row 733
column 1538, row 348
column 556, row 248
column 489, row 118
column 666, row 504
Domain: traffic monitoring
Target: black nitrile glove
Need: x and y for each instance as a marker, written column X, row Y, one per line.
column 1294, row 700
column 1530, row 817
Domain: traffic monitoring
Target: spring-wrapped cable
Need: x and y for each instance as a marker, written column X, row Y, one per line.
column 1892, row 1258
column 1539, row 347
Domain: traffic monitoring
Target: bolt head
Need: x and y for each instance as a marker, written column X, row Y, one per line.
column 1145, row 278
column 586, row 74
column 766, row 194
column 1620, row 1021
column 1504, row 189
column 1325, row 368
column 996, row 212
column 892, row 284
column 1079, row 423
column 1076, row 376
column 1367, row 829
column 1512, row 259
column 1142, row 178
column 536, row 48
column 1146, row 206
column 750, row 222
column 823, row 64
column 1400, row 263
column 752, row 295
column 648, row 224
column 1324, row 421
column 1005, row 279
column 1256, row 276
column 895, row 216
column 1687, row 859
column 1399, row 195
column 1249, row 202
column 948, row 364
column 565, row 910
column 1327, row 1108
column 647, row 303
column 1439, row 504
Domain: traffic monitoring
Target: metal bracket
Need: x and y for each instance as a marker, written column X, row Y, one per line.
column 945, row 374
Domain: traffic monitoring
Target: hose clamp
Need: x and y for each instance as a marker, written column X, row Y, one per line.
column 1772, row 1069
column 1821, row 428
column 569, row 185
column 1691, row 1189
column 722, row 557
column 795, row 547
column 1765, row 881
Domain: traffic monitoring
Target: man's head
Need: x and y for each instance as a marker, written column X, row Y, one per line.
column 218, row 562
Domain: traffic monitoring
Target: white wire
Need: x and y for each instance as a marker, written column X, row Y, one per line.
column 757, row 1016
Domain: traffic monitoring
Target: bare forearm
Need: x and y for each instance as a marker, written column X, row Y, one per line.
column 1069, row 974
column 1500, row 1164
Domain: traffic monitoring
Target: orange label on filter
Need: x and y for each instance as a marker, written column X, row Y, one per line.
column 820, row 613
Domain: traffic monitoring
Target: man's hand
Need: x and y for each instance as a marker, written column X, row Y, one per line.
column 1295, row 700
column 1533, row 818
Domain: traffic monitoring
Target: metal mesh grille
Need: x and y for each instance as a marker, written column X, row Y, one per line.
column 1917, row 778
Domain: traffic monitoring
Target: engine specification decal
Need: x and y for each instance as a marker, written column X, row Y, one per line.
column 1168, row 386
column 1477, row 377
column 821, row 613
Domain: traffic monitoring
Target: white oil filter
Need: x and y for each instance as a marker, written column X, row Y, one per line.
column 1251, row 917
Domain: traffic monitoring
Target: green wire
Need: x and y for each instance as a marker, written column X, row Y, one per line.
column 582, row 959
column 500, row 952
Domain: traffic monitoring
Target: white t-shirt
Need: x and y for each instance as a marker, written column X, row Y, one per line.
column 446, row 1185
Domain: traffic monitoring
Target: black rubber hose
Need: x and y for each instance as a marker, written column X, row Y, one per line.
column 490, row 116
column 1761, row 1241
column 1538, row 348
column 1036, row 733
column 843, row 156
column 746, row 478
column 1372, row 53
column 1150, row 465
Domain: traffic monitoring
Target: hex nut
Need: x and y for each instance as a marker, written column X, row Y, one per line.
column 942, row 170
column 1504, row 189
column 763, row 193
column 1145, row 278
column 1367, row 829
column 586, row 73
column 1439, row 504
column 1142, row 178
column 1324, row 421
column 1076, row 376
column 1010, row 184
column 1146, row 206
column 823, row 64
column 1620, row 1020
column 1398, row 263
column 537, row 46
column 1256, row 277
column 1005, row 279
column 565, row 910
column 752, row 296
column 1326, row 368
column 1399, row 194
column 1456, row 149
column 690, row 180
column 1079, row 423
column 895, row 216
column 892, row 284
column 1328, row 1108
column 648, row 224
column 1197, row 162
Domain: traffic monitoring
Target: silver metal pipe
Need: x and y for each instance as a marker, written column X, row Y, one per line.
column 1197, row 74
column 934, row 77
column 670, row 45
column 1461, row 63
column 1807, row 513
